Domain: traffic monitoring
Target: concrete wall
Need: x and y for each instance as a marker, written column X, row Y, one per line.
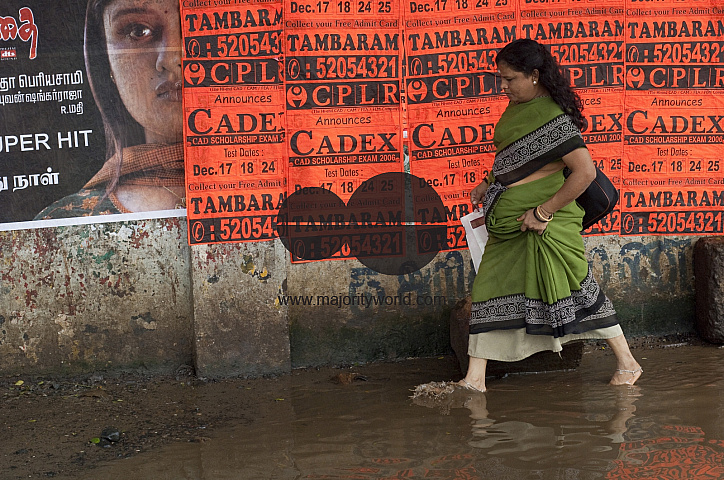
column 97, row 296
column 134, row 295
column 239, row 326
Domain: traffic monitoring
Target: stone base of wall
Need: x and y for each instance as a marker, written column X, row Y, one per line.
column 709, row 286
column 136, row 296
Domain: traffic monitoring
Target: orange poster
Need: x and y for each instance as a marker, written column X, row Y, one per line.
column 603, row 134
column 235, row 126
column 353, row 107
column 587, row 40
column 673, row 122
column 343, row 67
column 453, row 99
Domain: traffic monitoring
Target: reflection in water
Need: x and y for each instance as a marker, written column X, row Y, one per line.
column 597, row 433
column 585, row 441
column 554, row 426
column 681, row 452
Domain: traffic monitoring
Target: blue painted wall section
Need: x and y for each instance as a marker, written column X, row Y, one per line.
column 649, row 279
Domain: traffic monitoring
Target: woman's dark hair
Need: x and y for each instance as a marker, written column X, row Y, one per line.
column 121, row 129
column 525, row 55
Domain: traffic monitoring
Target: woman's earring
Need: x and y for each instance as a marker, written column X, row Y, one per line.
column 535, row 82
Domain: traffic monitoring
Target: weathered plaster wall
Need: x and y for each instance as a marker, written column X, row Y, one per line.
column 240, row 327
column 100, row 296
column 342, row 324
column 649, row 279
column 135, row 295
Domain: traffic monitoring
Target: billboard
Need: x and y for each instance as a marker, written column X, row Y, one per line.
column 271, row 100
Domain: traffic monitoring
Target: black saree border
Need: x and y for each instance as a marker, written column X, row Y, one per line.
column 584, row 310
column 546, row 144
column 492, row 195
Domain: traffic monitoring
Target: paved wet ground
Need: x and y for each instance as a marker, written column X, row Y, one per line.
column 561, row 425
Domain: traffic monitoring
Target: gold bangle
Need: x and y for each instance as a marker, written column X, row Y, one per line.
column 540, row 216
column 537, row 217
column 545, row 212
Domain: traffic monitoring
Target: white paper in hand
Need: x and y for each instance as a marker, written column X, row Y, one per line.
column 476, row 235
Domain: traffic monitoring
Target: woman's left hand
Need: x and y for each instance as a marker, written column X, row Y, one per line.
column 532, row 223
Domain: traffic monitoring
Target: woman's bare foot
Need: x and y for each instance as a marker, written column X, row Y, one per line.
column 628, row 369
column 474, row 379
column 626, row 377
column 471, row 386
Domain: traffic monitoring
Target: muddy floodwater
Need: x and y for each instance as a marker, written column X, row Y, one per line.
column 361, row 423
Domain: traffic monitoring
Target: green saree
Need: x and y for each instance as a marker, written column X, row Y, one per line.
column 534, row 292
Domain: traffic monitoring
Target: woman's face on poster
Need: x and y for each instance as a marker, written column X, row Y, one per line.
column 143, row 38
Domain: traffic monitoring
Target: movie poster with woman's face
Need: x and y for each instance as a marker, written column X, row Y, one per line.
column 91, row 118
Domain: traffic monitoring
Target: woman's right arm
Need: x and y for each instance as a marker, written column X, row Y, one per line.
column 478, row 193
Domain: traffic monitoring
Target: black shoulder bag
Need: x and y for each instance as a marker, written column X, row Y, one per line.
column 598, row 200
